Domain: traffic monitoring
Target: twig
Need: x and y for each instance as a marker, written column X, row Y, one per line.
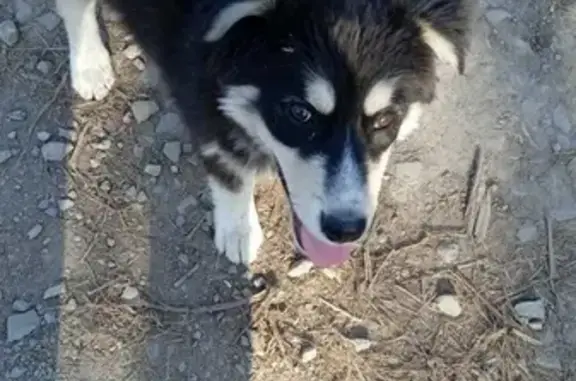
column 183, row 278
column 340, row 310
column 78, row 147
column 552, row 270
column 219, row 307
column 195, row 228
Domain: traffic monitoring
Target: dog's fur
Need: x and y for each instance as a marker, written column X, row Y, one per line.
column 318, row 89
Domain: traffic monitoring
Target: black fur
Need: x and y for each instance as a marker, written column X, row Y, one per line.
column 353, row 43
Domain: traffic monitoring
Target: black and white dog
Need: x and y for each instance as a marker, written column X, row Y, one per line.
column 320, row 90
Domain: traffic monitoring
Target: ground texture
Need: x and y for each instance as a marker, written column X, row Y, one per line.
column 107, row 270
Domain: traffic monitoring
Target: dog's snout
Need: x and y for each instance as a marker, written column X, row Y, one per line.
column 342, row 227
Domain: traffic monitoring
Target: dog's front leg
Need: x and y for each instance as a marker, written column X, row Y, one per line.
column 237, row 228
column 90, row 65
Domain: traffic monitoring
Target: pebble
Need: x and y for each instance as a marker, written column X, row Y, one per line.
column 141, row 198
column 68, row 134
column 49, row 21
column 16, row 372
column 300, row 268
column 55, row 151
column 52, row 212
column 54, row 291
column 5, row 155
column 531, row 313
column 496, row 15
column 50, row 318
column 527, row 233
column 43, row 136
column 308, row 354
column 105, row 186
column 44, row 204
column 143, row 110
column 153, row 170
column 17, row 115
column 71, row 305
column 44, row 67
column 65, row 204
column 449, row 305
column 170, row 126
column 34, row 232
column 22, row 11
column 21, row 325
column 188, row 202
column 172, row 150
column 362, row 345
column 11, row 135
column 9, row 32
column 20, row 305
column 132, row 52
column 130, row 294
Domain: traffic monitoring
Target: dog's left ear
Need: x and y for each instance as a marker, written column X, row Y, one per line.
column 444, row 26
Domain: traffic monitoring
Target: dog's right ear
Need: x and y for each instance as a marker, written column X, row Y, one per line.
column 232, row 13
column 444, row 26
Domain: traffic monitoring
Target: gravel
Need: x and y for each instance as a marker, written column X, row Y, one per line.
column 49, row 21
column 9, row 33
column 153, row 170
column 55, row 151
column 54, row 291
column 35, row 231
column 21, row 325
column 5, row 155
column 143, row 110
column 172, row 150
column 449, row 305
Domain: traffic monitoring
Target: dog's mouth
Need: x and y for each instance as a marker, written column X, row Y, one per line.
column 320, row 252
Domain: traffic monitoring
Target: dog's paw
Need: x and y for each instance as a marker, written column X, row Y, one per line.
column 92, row 72
column 239, row 238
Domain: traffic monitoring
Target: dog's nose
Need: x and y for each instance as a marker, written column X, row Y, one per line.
column 342, row 227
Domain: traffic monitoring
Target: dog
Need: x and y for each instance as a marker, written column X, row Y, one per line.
column 318, row 90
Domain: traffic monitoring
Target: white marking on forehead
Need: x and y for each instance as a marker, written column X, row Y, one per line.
column 231, row 14
column 442, row 47
column 320, row 94
column 379, row 97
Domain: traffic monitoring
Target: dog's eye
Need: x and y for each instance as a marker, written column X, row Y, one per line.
column 299, row 113
column 384, row 120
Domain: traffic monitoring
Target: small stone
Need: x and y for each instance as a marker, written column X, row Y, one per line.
column 16, row 372
column 531, row 313
column 20, row 305
column 34, row 232
column 55, row 151
column 50, row 318
column 449, row 252
column 52, row 212
column 138, row 151
column 141, row 198
column 21, row 325
column 54, row 291
column 130, row 294
column 49, row 21
column 300, row 268
column 11, row 135
column 143, row 110
column 17, row 115
column 22, row 11
column 180, row 221
column 65, row 204
column 308, row 354
column 68, row 134
column 110, row 242
column 562, row 119
column 132, row 52
column 71, row 305
column 43, row 136
column 362, row 345
column 170, row 126
column 44, row 67
column 188, row 202
column 174, row 169
column 106, row 186
column 131, row 193
column 173, row 150
column 153, row 170
column 527, row 233
column 9, row 32
column 449, row 305
column 496, row 15
column 5, row 155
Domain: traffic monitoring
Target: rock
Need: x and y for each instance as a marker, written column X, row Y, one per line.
column 549, row 359
column 44, row 67
column 21, row 325
column 362, row 345
column 153, row 170
column 55, row 291
column 105, row 186
column 71, row 305
column 496, row 15
column 143, row 110
column 35, row 231
column 300, row 268
column 449, row 252
column 449, row 305
column 43, row 136
column 9, row 32
column 55, row 151
column 11, row 135
column 22, row 11
column 65, row 204
column 49, row 21
column 562, row 119
column 170, row 126
column 308, row 354
column 17, row 115
column 130, row 294
column 20, row 305
column 531, row 313
column 132, row 52
column 16, row 372
column 5, row 155
column 172, row 150
column 527, row 233
column 141, row 198
column 188, row 202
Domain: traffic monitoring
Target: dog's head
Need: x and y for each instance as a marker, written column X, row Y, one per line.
column 327, row 87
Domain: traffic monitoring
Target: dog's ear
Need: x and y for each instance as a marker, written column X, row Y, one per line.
column 444, row 26
column 234, row 12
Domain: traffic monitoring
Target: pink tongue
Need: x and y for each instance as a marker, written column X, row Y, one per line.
column 323, row 254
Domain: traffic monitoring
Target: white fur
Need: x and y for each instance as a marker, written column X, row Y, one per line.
column 379, row 97
column 233, row 13
column 320, row 94
column 91, row 68
column 411, row 121
column 442, row 47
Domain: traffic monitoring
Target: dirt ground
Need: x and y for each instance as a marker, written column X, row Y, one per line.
column 107, row 270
